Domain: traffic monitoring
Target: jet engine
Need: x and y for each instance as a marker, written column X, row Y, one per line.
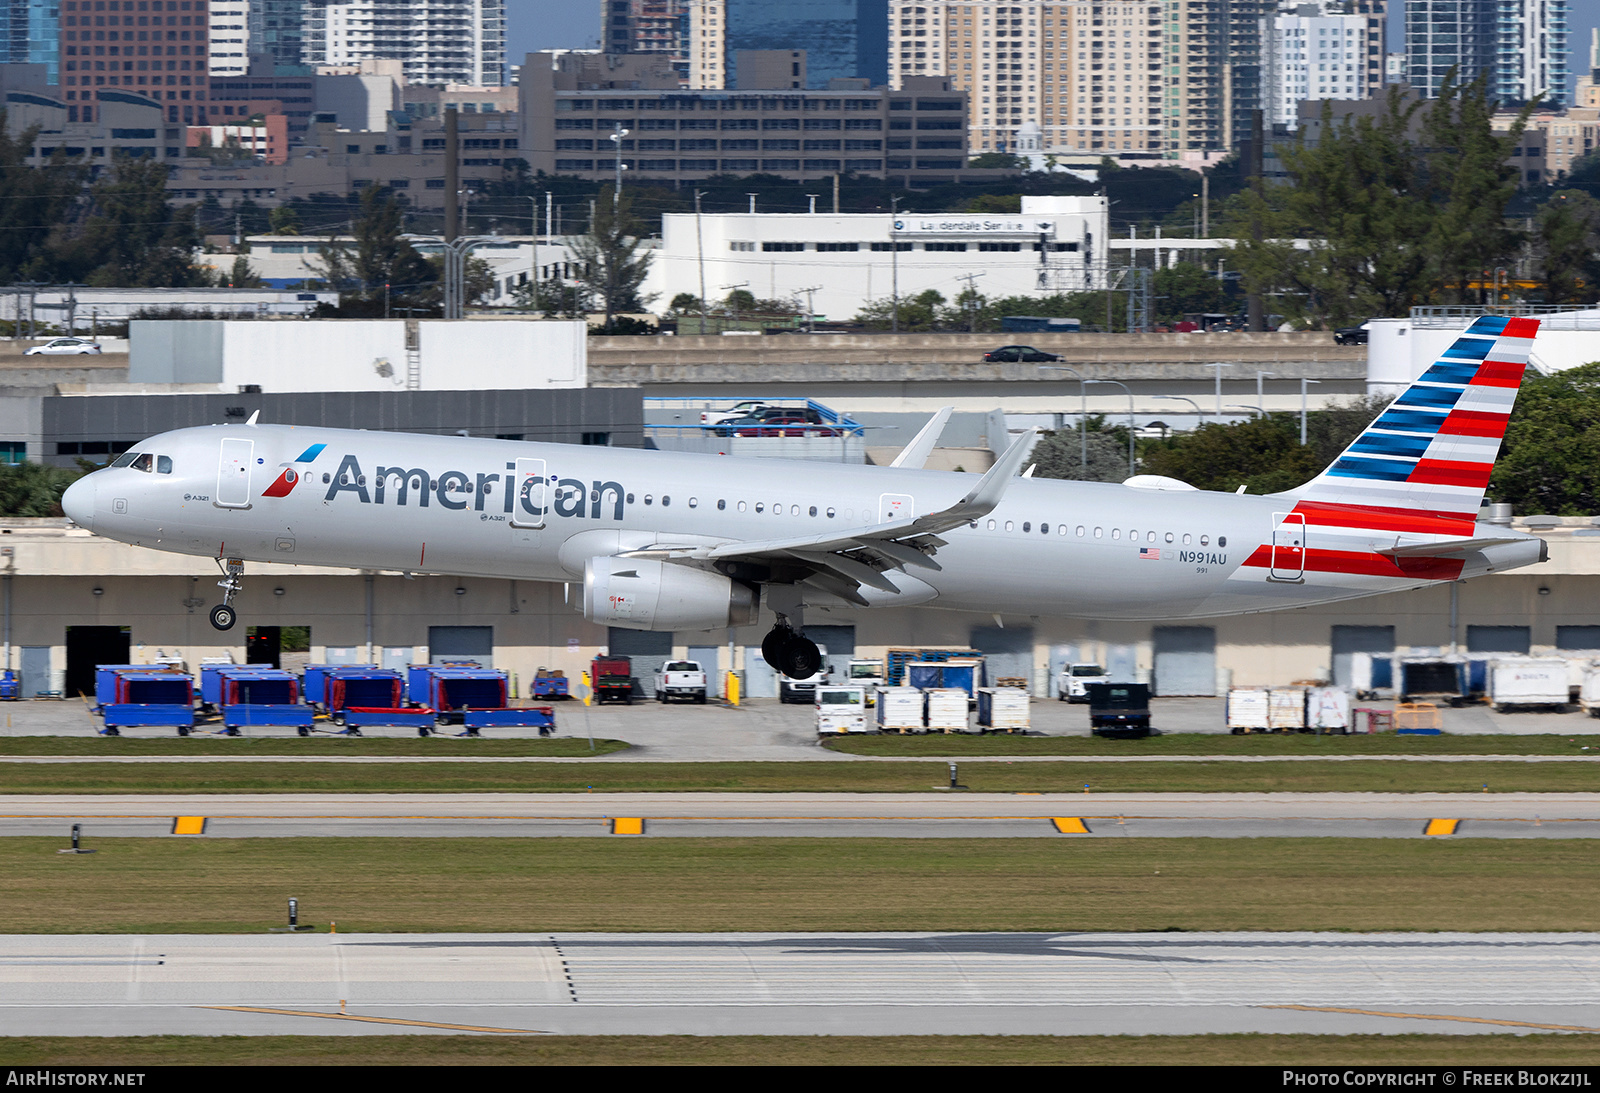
column 643, row 594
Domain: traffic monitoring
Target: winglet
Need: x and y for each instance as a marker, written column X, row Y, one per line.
column 986, row 495
column 915, row 455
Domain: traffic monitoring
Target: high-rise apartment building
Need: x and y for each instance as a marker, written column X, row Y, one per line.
column 30, row 33
column 1086, row 73
column 1521, row 44
column 648, row 26
column 276, row 31
column 1214, row 78
column 841, row 38
column 157, row 48
column 438, row 41
column 1327, row 50
column 230, row 37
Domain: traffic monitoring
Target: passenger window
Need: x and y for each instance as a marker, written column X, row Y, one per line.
column 741, row 506
column 794, row 510
column 1169, row 536
column 648, row 499
column 1080, row 531
column 665, row 500
column 1044, row 529
column 1027, row 525
column 142, row 463
column 721, row 504
column 1205, row 540
column 1097, row 533
column 1151, row 537
column 1186, row 538
column 1009, row 525
column 813, row 510
column 759, row 507
column 991, row 525
column 694, row 502
column 1222, row 540
column 1116, row 533
column 830, row 514
column 163, row 464
column 630, row 498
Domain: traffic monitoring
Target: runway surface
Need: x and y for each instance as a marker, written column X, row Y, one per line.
column 831, row 815
column 634, row 757
column 799, row 983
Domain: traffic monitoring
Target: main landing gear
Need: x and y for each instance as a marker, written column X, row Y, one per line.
column 223, row 616
column 790, row 652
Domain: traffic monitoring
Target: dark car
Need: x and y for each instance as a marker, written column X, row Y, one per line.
column 1350, row 335
column 785, row 425
column 786, row 415
column 1024, row 353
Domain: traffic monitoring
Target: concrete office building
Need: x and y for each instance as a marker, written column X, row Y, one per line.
column 659, row 27
column 834, row 264
column 161, row 54
column 570, row 109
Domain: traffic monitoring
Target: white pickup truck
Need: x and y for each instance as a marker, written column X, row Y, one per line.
column 681, row 679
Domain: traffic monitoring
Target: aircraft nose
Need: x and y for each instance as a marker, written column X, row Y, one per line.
column 78, row 502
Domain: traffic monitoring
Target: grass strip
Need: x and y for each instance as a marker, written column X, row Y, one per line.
column 551, row 747
column 1253, row 1049
column 803, row 777
column 1194, row 743
column 166, row 885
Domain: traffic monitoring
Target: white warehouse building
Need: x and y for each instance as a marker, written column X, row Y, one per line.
column 847, row 260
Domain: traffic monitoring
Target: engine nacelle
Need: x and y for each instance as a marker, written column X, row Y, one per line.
column 644, row 594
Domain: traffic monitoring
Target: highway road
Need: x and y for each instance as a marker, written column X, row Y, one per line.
column 799, row 983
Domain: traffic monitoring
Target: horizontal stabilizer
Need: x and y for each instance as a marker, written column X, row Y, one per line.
column 1446, row 547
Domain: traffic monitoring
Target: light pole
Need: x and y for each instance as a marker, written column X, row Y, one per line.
column 1303, row 382
column 894, row 266
column 1083, row 415
column 1241, row 406
column 1259, row 398
column 1124, row 386
column 1198, row 413
column 616, row 138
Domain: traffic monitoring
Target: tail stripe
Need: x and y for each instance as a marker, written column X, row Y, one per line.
column 1433, row 450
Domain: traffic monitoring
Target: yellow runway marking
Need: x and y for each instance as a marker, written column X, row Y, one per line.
column 377, row 1020
column 1441, row 827
column 188, row 825
column 1070, row 825
column 1438, row 1017
column 627, row 825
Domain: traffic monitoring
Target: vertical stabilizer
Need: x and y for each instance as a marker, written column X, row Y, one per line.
column 1431, row 452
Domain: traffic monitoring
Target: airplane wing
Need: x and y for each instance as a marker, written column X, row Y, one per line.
column 915, row 455
column 841, row 562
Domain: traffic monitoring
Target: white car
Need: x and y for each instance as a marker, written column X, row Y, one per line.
column 1072, row 685
column 63, row 347
column 737, row 410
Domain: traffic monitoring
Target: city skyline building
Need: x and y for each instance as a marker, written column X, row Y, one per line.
column 1326, row 50
column 648, row 26
column 1520, row 44
column 230, row 37
column 161, row 53
column 30, row 33
column 841, row 38
column 437, row 41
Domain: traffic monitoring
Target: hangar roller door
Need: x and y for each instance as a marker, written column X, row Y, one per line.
column 1186, row 660
column 1349, row 640
column 1499, row 639
column 91, row 645
column 1008, row 650
column 648, row 649
column 447, row 643
column 1577, row 637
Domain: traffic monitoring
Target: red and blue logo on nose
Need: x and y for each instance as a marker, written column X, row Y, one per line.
column 285, row 482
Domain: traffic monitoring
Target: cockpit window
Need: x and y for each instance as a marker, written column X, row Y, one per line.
column 163, row 464
column 143, row 462
column 125, row 459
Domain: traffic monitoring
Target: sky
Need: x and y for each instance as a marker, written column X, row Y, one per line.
column 575, row 24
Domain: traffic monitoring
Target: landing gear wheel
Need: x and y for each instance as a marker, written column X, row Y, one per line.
column 423, row 730
column 800, row 658
column 223, row 617
column 183, row 730
column 303, row 731
column 772, row 645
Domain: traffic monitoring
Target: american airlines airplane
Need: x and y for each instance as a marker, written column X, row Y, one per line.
column 672, row 541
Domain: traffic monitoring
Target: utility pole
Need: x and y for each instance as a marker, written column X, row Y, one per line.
column 1303, row 382
column 1260, row 405
column 700, row 256
column 836, row 193
column 811, row 307
column 1256, row 311
column 452, row 172
column 972, row 299
column 534, row 200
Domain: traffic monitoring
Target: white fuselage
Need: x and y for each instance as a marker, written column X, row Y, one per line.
column 269, row 493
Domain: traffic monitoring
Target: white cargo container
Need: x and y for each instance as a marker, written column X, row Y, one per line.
column 1589, row 690
column 900, row 709
column 1328, row 708
column 1527, row 681
column 1286, row 708
column 1247, row 708
column 947, row 709
column 1003, row 708
column 841, row 710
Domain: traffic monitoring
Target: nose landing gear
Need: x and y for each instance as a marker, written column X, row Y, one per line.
column 223, row 616
column 790, row 652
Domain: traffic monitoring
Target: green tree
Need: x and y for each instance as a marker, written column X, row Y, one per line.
column 1263, row 454
column 1003, row 161
column 916, row 313
column 379, row 267
column 33, row 202
column 284, row 220
column 32, row 489
column 243, row 275
column 1564, row 240
column 996, row 203
column 1060, row 454
column 131, row 237
column 1550, row 461
column 613, row 258
column 1188, row 289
